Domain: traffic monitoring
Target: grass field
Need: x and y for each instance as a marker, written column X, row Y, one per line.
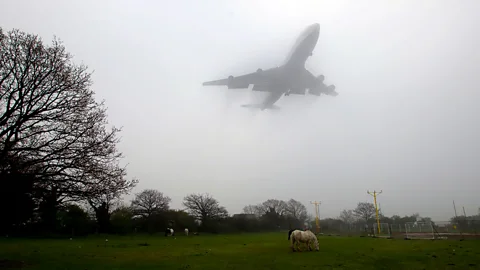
column 241, row 251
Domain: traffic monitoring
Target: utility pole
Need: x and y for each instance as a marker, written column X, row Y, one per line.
column 374, row 194
column 456, row 219
column 317, row 214
column 465, row 216
column 455, row 209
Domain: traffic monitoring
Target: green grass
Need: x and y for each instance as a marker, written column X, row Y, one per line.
column 242, row 251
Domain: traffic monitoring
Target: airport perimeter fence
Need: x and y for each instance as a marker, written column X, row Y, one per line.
column 435, row 229
column 467, row 227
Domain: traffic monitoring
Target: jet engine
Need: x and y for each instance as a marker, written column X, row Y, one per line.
column 230, row 81
column 322, row 88
column 331, row 90
column 233, row 84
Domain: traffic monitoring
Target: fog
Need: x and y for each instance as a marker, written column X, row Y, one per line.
column 405, row 120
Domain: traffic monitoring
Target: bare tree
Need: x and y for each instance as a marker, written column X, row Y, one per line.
column 250, row 210
column 296, row 210
column 274, row 206
column 49, row 118
column 103, row 206
column 204, row 207
column 365, row 210
column 310, row 218
column 347, row 216
column 253, row 210
column 149, row 202
column 425, row 219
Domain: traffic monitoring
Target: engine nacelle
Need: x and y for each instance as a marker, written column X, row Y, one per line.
column 232, row 84
column 230, row 80
column 321, row 88
column 331, row 90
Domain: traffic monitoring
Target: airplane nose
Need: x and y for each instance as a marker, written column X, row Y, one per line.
column 316, row 26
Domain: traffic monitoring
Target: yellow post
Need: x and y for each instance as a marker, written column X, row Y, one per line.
column 317, row 214
column 374, row 194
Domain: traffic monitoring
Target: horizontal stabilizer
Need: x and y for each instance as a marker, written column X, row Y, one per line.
column 260, row 106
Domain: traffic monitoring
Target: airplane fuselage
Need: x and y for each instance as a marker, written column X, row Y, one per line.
column 291, row 73
column 303, row 47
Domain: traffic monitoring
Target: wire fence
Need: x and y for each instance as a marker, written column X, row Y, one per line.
column 429, row 230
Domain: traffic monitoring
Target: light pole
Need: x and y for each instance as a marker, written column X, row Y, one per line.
column 317, row 214
column 374, row 194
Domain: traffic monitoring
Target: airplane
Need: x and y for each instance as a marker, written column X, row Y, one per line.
column 290, row 78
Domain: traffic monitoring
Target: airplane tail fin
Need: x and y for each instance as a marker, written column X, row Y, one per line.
column 260, row 106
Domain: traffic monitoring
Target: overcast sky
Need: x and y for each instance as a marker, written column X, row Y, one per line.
column 405, row 120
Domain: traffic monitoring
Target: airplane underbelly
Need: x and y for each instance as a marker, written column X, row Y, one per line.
column 298, row 91
column 272, row 98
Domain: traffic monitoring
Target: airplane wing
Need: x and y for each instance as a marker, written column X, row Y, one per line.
column 259, row 77
column 316, row 87
column 309, row 78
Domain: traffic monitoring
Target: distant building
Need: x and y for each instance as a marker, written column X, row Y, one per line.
column 245, row 216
